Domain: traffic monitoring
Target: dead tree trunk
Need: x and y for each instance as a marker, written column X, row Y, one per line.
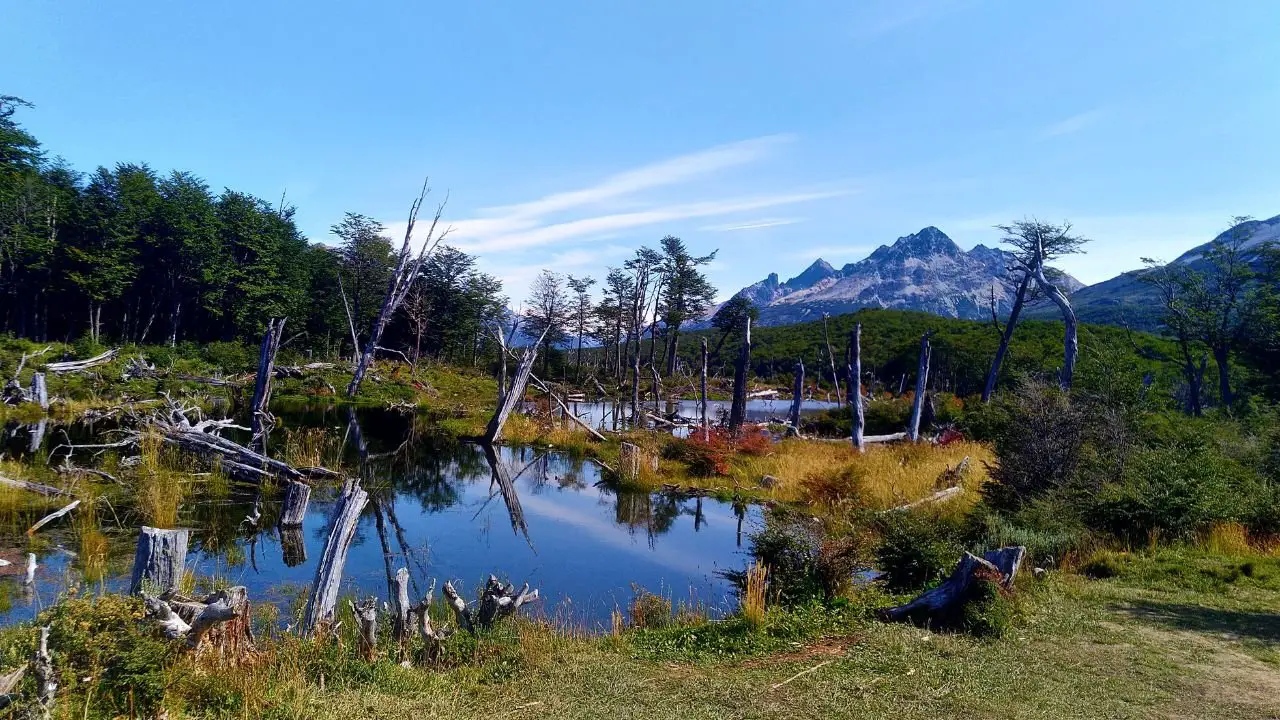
column 702, row 397
column 402, row 612
column 835, row 376
column 328, row 579
column 1006, row 335
column 629, row 462
column 855, row 386
column 159, row 560
column 408, row 267
column 507, row 402
column 635, row 386
column 45, row 676
column 1070, row 341
column 366, row 614
column 738, row 411
column 261, row 422
column 39, row 391
column 797, row 398
column 941, row 604
column 922, row 382
column 297, row 495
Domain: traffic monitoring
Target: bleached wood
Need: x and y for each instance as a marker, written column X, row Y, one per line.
column 922, row 384
column 333, row 561
column 159, row 559
column 52, row 516
column 81, row 365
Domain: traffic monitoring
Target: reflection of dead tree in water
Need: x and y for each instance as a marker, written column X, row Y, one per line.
column 506, row 486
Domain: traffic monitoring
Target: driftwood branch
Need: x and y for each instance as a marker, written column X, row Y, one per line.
column 52, row 516
column 82, row 365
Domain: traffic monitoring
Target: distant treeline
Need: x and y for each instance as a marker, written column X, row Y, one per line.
column 128, row 254
column 961, row 356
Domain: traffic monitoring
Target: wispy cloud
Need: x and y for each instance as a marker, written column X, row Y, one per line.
column 1074, row 124
column 751, row 224
column 876, row 19
column 660, row 174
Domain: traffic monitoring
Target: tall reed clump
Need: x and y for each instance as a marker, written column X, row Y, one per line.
column 159, row 490
column 752, row 598
column 311, row 447
column 93, row 543
column 1227, row 538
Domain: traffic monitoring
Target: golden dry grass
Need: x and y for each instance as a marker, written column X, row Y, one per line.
column 886, row 475
column 751, row 602
column 159, row 490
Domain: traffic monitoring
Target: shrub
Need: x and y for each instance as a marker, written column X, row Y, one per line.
column 231, row 357
column 988, row 609
column 102, row 639
column 704, row 457
column 1050, row 530
column 845, row 487
column 804, row 563
column 1174, row 492
column 1102, row 565
column 1039, row 449
column 650, row 610
column 916, row 550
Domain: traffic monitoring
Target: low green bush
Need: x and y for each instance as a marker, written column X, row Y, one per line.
column 916, row 550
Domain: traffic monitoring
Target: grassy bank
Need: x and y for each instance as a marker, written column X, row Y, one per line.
column 1174, row 633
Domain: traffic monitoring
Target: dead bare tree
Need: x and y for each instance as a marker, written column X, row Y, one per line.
column 797, row 398
column 261, row 417
column 835, row 376
column 408, row 268
column 855, row 386
column 1006, row 333
column 738, row 410
column 922, row 384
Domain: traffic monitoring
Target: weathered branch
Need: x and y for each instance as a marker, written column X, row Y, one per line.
column 82, row 365
column 52, row 516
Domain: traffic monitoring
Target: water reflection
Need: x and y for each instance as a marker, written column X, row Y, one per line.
column 442, row 509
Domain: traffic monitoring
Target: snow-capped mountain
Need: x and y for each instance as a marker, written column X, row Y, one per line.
column 925, row 271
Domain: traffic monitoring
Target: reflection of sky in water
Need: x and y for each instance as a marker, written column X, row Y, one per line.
column 585, row 549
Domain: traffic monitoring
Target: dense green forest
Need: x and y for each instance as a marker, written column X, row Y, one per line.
column 132, row 254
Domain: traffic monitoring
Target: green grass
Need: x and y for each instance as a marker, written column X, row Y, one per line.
column 1141, row 644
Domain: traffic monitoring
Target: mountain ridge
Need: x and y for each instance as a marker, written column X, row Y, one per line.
column 925, row 271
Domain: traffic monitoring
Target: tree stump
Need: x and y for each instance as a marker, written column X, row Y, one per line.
column 629, row 462
column 159, row 560
column 944, row 601
column 39, row 391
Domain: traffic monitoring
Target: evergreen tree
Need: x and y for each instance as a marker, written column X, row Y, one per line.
column 686, row 292
column 548, row 313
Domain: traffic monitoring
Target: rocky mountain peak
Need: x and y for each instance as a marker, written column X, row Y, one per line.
column 927, row 242
column 819, row 270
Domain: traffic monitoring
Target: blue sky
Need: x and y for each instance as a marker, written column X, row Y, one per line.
column 568, row 133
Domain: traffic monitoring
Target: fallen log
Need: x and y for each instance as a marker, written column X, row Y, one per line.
column 568, row 413
column 34, row 487
column 328, row 578
column 942, row 604
column 52, row 516
column 298, row 371
column 81, row 365
column 940, row 496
